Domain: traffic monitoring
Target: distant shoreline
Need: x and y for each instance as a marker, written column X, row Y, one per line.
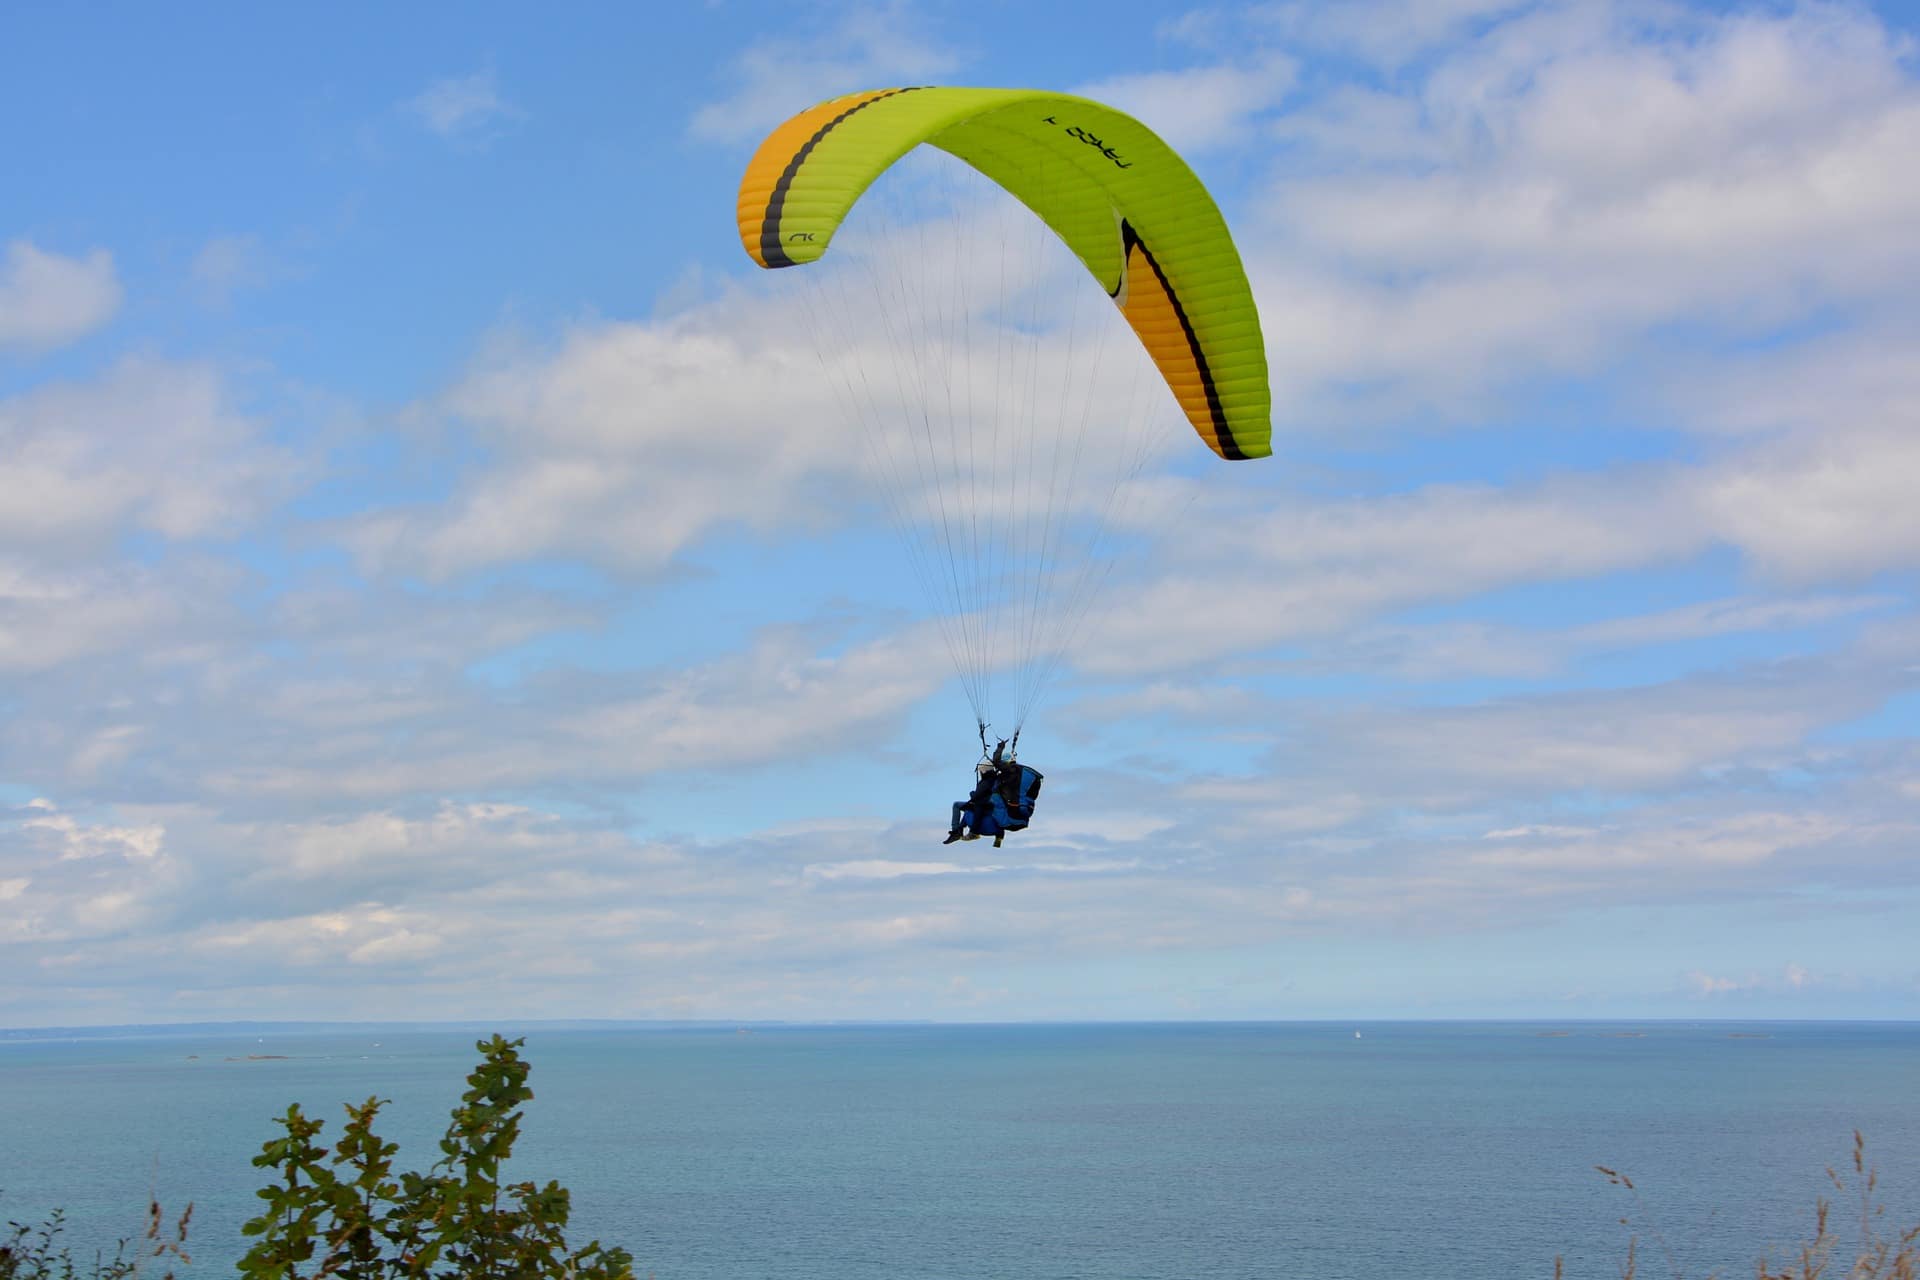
column 1542, row 1027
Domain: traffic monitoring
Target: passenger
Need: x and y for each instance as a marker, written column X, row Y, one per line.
column 974, row 816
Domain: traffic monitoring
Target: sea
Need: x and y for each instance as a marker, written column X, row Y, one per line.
column 1031, row 1152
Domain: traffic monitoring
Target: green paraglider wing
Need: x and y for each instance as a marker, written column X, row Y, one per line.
column 1123, row 201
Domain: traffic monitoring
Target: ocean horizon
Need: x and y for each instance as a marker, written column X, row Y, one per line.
column 1023, row 1150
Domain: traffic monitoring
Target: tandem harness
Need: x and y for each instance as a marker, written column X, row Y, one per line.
column 1011, row 805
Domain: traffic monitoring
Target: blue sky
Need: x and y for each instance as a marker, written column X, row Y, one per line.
column 389, row 629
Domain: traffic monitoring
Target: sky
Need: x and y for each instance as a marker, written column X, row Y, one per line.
column 435, row 584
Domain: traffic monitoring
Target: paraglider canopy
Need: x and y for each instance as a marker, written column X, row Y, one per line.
column 1123, row 201
column 1009, row 448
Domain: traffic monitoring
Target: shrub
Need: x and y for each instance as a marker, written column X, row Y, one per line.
column 346, row 1213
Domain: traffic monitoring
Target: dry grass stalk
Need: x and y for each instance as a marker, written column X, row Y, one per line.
column 1874, row 1255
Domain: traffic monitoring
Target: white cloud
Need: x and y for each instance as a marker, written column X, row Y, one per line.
column 230, row 264
column 488, row 907
column 1709, row 618
column 1737, row 842
column 891, row 869
column 1435, row 651
column 1811, row 509
column 47, row 300
column 77, row 840
column 399, row 946
column 330, row 849
column 1532, row 830
column 1389, row 32
column 1316, row 569
column 792, row 406
column 51, row 617
column 1862, row 378
column 1810, row 443
column 1204, row 107
column 150, row 446
column 1336, row 767
column 624, row 446
column 75, row 878
column 1792, row 979
column 367, row 933
column 1706, row 984
column 465, row 109
column 871, row 48
column 776, row 701
column 883, row 869
column 1511, row 225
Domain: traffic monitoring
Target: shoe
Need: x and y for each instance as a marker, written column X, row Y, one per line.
column 951, row 837
column 997, row 840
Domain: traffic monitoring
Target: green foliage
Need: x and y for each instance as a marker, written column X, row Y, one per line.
column 345, row 1213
